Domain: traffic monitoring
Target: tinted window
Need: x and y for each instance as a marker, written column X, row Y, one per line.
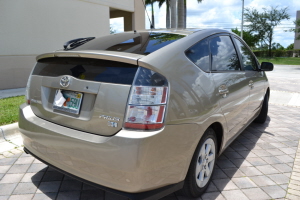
column 199, row 54
column 142, row 43
column 87, row 69
column 248, row 60
column 224, row 56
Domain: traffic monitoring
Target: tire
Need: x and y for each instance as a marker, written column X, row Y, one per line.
column 261, row 118
column 202, row 166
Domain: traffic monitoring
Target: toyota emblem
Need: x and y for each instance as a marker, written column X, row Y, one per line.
column 65, row 81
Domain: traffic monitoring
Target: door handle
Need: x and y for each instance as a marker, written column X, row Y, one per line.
column 251, row 84
column 223, row 90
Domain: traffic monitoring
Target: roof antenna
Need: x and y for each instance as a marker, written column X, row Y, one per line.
column 151, row 23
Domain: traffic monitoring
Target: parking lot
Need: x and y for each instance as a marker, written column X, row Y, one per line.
column 262, row 163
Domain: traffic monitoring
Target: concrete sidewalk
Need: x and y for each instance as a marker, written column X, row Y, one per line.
column 12, row 92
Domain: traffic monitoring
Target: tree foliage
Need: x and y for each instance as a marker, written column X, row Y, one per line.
column 248, row 37
column 263, row 23
column 290, row 47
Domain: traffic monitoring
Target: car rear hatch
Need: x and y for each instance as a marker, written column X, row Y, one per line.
column 86, row 91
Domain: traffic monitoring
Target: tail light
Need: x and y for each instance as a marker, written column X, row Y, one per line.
column 147, row 101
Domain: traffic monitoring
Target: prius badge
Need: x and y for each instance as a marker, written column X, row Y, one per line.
column 65, row 81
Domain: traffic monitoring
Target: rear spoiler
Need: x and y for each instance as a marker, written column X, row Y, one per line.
column 96, row 54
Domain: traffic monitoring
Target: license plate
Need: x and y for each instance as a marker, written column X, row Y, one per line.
column 72, row 103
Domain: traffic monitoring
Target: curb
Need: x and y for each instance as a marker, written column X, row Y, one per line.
column 9, row 131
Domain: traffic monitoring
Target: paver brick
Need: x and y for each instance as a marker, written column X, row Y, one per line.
column 274, row 191
column 262, row 180
column 234, row 195
column 267, row 169
column 47, row 187
column 29, row 177
column 44, row 196
column 74, row 195
column 24, row 160
column 243, row 182
column 256, row 161
column 71, row 185
column 53, row 176
column 26, row 188
column 224, row 184
column 4, row 168
column 11, row 178
column 36, row 167
column 250, row 171
column 294, row 192
column 17, row 169
column 233, row 172
column 21, row 197
column 7, row 188
column 292, row 197
column 255, row 194
column 209, row 196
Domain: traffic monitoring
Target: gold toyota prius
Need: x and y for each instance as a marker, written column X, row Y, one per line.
column 143, row 113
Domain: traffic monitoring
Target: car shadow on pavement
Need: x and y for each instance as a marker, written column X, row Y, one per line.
column 55, row 185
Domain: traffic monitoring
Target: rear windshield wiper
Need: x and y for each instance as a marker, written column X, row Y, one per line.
column 76, row 42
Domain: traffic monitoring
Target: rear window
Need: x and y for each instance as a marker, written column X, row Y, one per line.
column 87, row 69
column 142, row 43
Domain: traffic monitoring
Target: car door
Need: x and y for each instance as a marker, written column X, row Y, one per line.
column 232, row 90
column 254, row 78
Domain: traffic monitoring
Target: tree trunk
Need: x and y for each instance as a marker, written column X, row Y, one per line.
column 270, row 44
column 153, row 23
column 180, row 11
column 173, row 14
column 168, row 25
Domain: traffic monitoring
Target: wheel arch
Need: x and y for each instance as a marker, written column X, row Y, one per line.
column 219, row 131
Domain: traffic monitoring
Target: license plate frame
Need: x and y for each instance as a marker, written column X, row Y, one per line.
column 72, row 104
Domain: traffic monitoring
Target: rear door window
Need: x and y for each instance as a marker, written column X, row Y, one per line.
column 199, row 54
column 224, row 55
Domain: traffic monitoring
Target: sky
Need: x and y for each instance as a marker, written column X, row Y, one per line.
column 224, row 14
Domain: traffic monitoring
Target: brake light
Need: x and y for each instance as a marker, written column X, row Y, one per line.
column 147, row 101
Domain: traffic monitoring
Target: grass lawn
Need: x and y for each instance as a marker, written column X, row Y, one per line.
column 9, row 109
column 281, row 61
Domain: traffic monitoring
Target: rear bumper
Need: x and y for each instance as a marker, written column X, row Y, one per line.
column 128, row 162
column 153, row 194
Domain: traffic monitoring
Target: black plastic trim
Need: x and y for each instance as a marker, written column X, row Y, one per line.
column 148, row 195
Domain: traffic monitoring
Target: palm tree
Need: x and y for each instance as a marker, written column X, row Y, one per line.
column 182, row 13
column 160, row 3
column 151, row 2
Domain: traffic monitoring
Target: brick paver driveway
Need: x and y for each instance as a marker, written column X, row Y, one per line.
column 262, row 163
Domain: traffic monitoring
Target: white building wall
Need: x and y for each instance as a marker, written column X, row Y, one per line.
column 32, row 27
column 126, row 5
column 37, row 26
column 297, row 42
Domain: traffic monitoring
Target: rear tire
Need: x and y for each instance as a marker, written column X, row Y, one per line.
column 202, row 166
column 261, row 118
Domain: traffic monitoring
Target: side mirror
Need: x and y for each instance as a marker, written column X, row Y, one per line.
column 266, row 66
